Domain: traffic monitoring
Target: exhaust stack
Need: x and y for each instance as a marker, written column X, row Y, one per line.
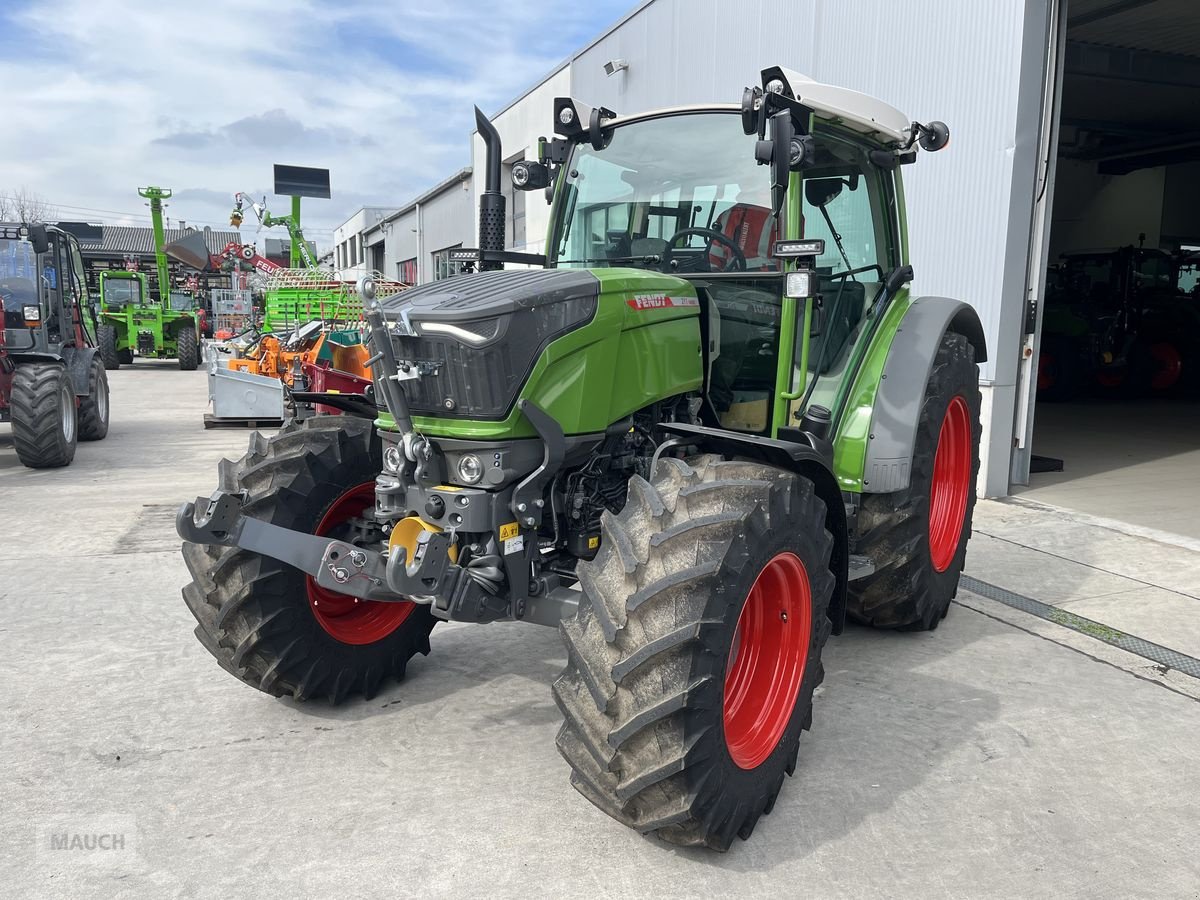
column 491, row 201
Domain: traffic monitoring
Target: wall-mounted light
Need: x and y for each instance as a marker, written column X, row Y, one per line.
column 613, row 66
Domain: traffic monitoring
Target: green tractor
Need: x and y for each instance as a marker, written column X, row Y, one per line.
column 709, row 427
column 131, row 320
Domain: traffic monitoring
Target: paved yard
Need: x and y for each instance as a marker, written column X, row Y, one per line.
column 998, row 756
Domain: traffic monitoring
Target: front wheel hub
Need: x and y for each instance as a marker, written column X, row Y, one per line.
column 767, row 660
column 349, row 619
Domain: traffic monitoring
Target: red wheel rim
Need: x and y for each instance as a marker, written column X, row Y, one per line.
column 951, row 484
column 1169, row 365
column 348, row 619
column 767, row 660
column 1111, row 378
column 1045, row 372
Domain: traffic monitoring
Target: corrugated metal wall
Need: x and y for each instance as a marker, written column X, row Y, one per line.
column 945, row 59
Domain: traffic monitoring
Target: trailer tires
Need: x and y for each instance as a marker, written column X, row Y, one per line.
column 693, row 657
column 187, row 349
column 44, row 415
column 269, row 624
column 917, row 537
column 93, row 409
column 106, row 340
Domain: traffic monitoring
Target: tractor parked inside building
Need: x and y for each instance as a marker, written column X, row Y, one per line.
column 53, row 388
column 1116, row 323
column 712, row 425
column 133, row 321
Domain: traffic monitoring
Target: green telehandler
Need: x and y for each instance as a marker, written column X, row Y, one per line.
column 708, row 427
column 166, row 327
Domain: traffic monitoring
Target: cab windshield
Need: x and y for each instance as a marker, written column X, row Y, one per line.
column 122, row 291
column 679, row 193
column 18, row 275
column 182, row 302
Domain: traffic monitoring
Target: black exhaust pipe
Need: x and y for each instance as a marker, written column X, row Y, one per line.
column 491, row 201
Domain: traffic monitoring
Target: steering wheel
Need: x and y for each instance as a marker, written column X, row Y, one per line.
column 736, row 263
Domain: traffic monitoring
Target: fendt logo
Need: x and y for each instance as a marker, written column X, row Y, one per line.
column 660, row 301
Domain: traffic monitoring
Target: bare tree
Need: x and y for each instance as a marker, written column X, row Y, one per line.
column 23, row 205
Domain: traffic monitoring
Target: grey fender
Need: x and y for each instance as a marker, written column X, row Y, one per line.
column 902, row 389
column 79, row 362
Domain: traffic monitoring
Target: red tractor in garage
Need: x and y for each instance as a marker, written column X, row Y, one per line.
column 53, row 388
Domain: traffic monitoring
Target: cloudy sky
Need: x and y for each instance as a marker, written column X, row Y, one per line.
column 203, row 96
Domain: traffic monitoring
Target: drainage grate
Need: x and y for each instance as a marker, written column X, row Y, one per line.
column 1157, row 653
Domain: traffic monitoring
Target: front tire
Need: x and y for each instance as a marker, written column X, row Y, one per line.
column 917, row 537
column 272, row 626
column 44, row 416
column 93, row 409
column 187, row 349
column 693, row 657
column 106, row 340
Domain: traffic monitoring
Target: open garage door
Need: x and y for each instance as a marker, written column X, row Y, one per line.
column 1115, row 374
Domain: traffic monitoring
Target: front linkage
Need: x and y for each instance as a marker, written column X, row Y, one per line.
column 460, row 584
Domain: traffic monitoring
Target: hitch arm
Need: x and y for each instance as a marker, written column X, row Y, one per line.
column 335, row 565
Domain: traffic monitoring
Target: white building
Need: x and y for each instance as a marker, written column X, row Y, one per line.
column 352, row 255
column 1105, row 93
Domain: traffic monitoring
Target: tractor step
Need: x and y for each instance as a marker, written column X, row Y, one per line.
column 860, row 567
column 211, row 421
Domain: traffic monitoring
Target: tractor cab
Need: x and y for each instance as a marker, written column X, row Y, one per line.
column 682, row 192
column 120, row 289
column 43, row 290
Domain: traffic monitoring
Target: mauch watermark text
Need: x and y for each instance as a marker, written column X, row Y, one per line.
column 95, row 840
column 65, row 840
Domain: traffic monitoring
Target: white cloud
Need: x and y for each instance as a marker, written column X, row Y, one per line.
column 103, row 96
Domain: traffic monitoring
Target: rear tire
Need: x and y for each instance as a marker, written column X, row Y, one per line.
column 266, row 622
column 44, row 416
column 1061, row 368
column 667, row 728
column 187, row 349
column 125, row 357
column 918, row 557
column 106, row 340
column 93, row 409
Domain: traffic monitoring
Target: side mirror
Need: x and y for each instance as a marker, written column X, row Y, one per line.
column 39, row 238
column 934, row 136
column 820, row 192
column 777, row 152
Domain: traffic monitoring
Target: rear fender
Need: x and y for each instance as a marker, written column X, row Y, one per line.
column 802, row 459
column 901, row 390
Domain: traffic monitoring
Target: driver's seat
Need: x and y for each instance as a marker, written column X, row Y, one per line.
column 753, row 229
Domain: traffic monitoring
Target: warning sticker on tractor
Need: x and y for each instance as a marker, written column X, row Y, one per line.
column 660, row 301
column 514, row 545
column 593, row 542
column 511, row 530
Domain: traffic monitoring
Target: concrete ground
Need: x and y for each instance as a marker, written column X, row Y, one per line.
column 1134, row 461
column 1000, row 756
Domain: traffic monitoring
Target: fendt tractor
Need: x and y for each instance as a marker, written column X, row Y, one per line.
column 166, row 327
column 53, row 388
column 711, row 425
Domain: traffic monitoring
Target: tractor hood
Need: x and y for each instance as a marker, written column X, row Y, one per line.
column 477, row 337
column 490, row 294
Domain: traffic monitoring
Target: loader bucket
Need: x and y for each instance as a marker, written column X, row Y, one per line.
column 190, row 250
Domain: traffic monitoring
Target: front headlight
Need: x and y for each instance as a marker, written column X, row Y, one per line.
column 33, row 314
column 470, row 469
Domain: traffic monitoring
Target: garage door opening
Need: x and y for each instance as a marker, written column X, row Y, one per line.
column 1118, row 371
